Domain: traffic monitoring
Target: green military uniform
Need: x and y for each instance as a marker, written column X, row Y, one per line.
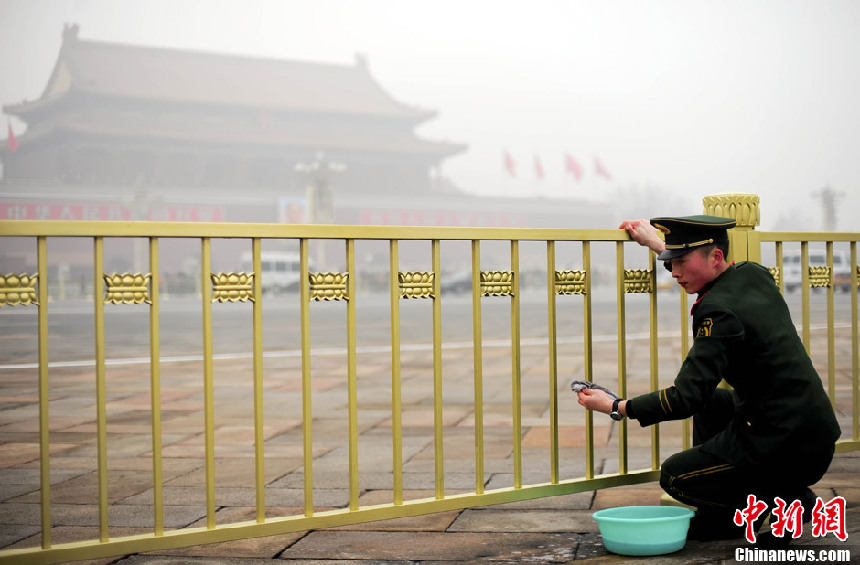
column 774, row 434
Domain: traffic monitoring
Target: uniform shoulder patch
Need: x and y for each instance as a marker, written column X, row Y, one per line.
column 705, row 328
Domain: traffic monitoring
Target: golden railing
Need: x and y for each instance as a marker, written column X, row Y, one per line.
column 562, row 278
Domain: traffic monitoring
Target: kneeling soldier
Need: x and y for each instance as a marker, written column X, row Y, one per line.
column 774, row 433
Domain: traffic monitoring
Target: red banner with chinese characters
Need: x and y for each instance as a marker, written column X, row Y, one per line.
column 403, row 217
column 102, row 212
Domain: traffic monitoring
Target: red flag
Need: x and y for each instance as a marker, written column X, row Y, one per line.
column 573, row 167
column 538, row 168
column 510, row 164
column 601, row 170
column 10, row 140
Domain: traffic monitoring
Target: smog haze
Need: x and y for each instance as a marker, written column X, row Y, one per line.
column 675, row 99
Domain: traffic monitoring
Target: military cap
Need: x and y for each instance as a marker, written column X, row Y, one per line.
column 689, row 232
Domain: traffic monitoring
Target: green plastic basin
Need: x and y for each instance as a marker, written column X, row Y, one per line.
column 643, row 530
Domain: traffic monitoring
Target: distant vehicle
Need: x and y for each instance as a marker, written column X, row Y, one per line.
column 280, row 270
column 456, row 282
column 791, row 266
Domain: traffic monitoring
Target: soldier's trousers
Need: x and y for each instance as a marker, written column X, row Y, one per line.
column 718, row 488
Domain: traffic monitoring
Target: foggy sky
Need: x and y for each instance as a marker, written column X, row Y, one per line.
column 678, row 99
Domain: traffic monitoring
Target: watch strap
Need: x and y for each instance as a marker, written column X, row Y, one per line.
column 615, row 414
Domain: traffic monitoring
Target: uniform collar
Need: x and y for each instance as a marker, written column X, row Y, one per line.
column 709, row 286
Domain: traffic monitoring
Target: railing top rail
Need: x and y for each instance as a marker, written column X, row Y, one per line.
column 53, row 228
column 794, row 236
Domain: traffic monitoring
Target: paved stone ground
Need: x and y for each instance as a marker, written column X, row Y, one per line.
column 554, row 530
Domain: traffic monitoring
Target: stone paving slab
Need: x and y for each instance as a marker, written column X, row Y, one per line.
column 170, row 560
column 70, row 534
column 437, row 522
column 428, row 546
column 647, row 494
column 82, row 515
column 526, row 520
column 254, row 548
column 11, row 533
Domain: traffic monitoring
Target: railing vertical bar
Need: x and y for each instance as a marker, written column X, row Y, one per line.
column 352, row 375
column 44, row 394
column 804, row 294
column 208, row 380
column 622, row 352
column 552, row 338
column 259, row 406
column 155, row 387
column 687, row 425
column 779, row 266
column 101, row 408
column 438, row 436
column 588, row 367
column 655, row 381
column 516, row 366
column 855, row 356
column 477, row 365
column 396, row 389
column 831, row 334
column 307, row 404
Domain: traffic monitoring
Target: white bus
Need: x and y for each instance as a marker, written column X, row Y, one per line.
column 817, row 258
column 281, row 270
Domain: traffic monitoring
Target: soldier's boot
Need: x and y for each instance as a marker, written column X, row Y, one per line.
column 769, row 541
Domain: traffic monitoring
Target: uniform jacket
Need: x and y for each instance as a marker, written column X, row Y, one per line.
column 744, row 334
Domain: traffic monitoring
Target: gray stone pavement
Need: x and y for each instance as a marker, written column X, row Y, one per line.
column 551, row 530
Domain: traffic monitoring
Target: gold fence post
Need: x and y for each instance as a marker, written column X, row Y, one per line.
column 744, row 241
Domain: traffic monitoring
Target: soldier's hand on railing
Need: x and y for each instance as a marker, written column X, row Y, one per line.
column 644, row 234
column 595, row 399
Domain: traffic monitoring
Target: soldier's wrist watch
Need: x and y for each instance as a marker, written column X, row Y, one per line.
column 615, row 414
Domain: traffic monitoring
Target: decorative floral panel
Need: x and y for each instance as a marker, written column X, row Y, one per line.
column 232, row 287
column 127, row 288
column 820, row 277
column 497, row 283
column 416, row 284
column 570, row 282
column 774, row 272
column 18, row 290
column 329, row 286
column 638, row 281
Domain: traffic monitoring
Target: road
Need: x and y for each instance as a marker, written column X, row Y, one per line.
column 71, row 324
